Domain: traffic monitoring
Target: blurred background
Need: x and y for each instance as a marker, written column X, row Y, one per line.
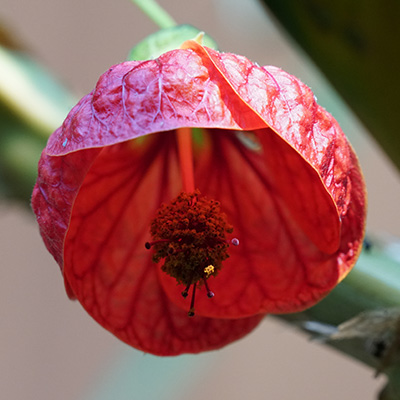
column 50, row 349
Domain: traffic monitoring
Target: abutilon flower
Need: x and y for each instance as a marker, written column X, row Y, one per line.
column 186, row 197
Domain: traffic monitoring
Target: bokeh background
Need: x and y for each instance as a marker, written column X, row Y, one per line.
column 49, row 348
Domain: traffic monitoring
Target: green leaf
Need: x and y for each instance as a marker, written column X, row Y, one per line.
column 356, row 45
column 165, row 40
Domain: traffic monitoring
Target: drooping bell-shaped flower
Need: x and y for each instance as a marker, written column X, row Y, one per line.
column 188, row 196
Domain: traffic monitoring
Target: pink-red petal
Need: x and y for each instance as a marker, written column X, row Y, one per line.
column 107, row 266
column 297, row 205
column 278, row 266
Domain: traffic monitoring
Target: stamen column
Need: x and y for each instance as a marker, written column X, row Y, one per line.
column 185, row 153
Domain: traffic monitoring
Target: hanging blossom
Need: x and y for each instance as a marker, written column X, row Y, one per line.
column 186, row 197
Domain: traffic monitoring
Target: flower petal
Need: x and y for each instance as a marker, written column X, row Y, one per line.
column 278, row 266
column 58, row 182
column 108, row 269
column 289, row 108
column 300, row 204
column 133, row 99
column 297, row 205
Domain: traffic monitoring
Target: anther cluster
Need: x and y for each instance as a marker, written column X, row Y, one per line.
column 190, row 234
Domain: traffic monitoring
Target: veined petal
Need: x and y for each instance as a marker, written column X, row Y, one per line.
column 296, row 199
column 288, row 107
column 108, row 269
column 134, row 99
column 278, row 267
column 57, row 185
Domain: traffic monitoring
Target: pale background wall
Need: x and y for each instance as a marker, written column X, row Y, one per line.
column 49, row 348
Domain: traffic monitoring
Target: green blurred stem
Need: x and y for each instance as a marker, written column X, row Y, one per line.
column 374, row 283
column 156, row 13
column 23, row 89
column 32, row 105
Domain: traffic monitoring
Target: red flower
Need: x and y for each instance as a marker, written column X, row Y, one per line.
column 273, row 170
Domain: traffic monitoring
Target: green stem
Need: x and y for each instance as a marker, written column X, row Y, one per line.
column 156, row 13
column 374, row 283
column 32, row 105
column 30, row 92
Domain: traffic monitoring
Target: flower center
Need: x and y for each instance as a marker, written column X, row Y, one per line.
column 189, row 234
